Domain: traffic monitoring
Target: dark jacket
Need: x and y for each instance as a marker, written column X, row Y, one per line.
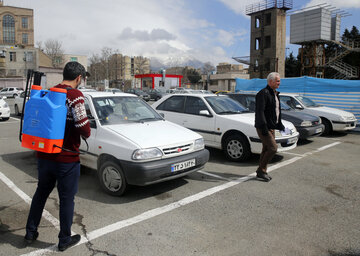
column 265, row 115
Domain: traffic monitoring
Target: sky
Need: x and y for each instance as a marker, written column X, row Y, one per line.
column 170, row 30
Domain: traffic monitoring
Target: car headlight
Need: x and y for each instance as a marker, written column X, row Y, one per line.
column 305, row 123
column 199, row 144
column 147, row 153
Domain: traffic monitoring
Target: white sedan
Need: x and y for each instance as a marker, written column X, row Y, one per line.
column 333, row 119
column 224, row 123
column 4, row 109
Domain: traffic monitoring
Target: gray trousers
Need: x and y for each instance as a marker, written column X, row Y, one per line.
column 269, row 148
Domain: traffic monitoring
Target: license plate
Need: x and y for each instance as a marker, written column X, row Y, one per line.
column 183, row 165
column 318, row 130
column 292, row 140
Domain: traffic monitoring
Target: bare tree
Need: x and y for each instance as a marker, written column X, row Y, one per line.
column 141, row 65
column 53, row 48
column 208, row 68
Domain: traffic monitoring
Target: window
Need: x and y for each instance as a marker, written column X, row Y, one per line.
column 12, row 56
column 257, row 22
column 29, row 56
column 24, row 22
column 174, row 104
column 8, row 29
column 73, row 59
column 267, row 19
column 25, row 38
column 267, row 41
column 194, row 105
column 257, row 43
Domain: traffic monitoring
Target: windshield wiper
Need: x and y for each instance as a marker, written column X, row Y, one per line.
column 142, row 120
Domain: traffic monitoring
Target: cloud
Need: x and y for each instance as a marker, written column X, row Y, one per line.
column 238, row 6
column 337, row 3
column 227, row 38
column 143, row 35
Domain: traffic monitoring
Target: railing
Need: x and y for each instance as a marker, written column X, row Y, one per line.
column 268, row 4
column 346, row 69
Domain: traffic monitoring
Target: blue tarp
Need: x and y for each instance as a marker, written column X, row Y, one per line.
column 341, row 94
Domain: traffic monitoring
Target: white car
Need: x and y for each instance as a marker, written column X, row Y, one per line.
column 223, row 122
column 333, row 119
column 130, row 143
column 19, row 102
column 11, row 92
column 4, row 109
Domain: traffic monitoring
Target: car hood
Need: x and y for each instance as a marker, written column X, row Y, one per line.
column 248, row 118
column 330, row 111
column 297, row 117
column 154, row 134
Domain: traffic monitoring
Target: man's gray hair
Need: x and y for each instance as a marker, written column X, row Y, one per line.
column 272, row 76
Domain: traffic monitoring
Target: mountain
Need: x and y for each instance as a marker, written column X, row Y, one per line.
column 156, row 64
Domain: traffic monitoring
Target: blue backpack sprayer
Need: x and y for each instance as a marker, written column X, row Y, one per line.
column 43, row 118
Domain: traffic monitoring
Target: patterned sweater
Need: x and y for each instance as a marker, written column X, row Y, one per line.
column 77, row 124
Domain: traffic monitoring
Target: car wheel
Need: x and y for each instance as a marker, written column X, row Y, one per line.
column 112, row 178
column 237, row 148
column 17, row 112
column 15, row 95
column 328, row 126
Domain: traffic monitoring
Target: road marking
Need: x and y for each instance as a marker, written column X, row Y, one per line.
column 213, row 175
column 160, row 210
column 292, row 154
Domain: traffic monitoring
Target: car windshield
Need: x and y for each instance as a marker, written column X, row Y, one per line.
column 120, row 110
column 225, row 106
column 284, row 106
column 307, row 101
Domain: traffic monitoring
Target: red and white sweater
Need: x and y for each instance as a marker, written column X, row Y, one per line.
column 77, row 124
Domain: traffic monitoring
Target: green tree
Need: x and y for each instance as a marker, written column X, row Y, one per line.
column 193, row 76
column 292, row 66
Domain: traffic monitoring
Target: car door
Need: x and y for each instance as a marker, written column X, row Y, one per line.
column 90, row 158
column 200, row 123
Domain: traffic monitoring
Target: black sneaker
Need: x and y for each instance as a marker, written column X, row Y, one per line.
column 31, row 238
column 74, row 240
column 263, row 175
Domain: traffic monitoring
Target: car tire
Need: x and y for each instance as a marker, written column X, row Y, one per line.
column 17, row 112
column 15, row 95
column 112, row 178
column 328, row 127
column 237, row 148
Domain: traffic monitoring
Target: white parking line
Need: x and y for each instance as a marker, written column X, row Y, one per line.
column 213, row 175
column 157, row 211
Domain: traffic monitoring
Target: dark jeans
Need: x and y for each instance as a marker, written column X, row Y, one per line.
column 269, row 148
column 67, row 177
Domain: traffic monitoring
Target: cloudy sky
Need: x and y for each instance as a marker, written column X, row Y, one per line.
column 206, row 30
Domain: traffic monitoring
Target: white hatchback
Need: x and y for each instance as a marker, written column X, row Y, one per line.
column 4, row 109
column 224, row 123
column 130, row 143
column 333, row 119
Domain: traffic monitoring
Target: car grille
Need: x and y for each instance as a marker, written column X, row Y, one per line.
column 176, row 150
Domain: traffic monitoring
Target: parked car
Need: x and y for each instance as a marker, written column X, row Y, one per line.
column 4, row 109
column 156, row 94
column 113, row 90
column 11, row 91
column 223, row 122
column 130, row 143
column 19, row 102
column 307, row 125
column 333, row 119
column 140, row 93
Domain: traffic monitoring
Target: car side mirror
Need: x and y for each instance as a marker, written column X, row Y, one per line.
column 205, row 112
column 298, row 106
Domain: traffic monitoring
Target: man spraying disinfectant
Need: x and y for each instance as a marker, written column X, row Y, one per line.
column 57, row 164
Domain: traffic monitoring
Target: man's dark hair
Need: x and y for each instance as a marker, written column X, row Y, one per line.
column 72, row 70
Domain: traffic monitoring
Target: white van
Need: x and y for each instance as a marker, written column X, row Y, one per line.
column 131, row 143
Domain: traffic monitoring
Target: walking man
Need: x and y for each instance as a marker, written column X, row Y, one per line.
column 267, row 119
column 62, row 169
